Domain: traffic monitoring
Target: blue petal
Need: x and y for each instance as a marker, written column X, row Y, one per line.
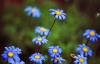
column 28, row 8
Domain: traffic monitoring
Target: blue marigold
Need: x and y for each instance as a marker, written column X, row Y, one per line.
column 91, row 35
column 57, row 59
column 54, row 51
column 34, row 11
column 80, row 59
column 83, row 49
column 37, row 58
column 59, row 14
column 40, row 40
column 41, row 30
column 10, row 54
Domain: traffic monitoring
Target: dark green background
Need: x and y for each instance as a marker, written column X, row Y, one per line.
column 17, row 30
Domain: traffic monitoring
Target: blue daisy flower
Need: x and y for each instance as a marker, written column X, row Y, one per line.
column 10, row 54
column 54, row 51
column 59, row 14
column 41, row 30
column 17, row 62
column 83, row 49
column 37, row 58
column 91, row 35
column 57, row 59
column 34, row 11
column 80, row 59
column 40, row 40
column 18, row 50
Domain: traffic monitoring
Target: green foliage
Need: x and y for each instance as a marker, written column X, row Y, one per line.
column 66, row 34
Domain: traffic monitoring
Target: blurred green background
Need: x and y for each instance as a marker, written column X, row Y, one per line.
column 14, row 28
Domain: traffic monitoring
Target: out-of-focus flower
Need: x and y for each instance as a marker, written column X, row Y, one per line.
column 41, row 30
column 59, row 14
column 57, row 59
column 83, row 49
column 80, row 59
column 37, row 58
column 91, row 35
column 34, row 11
column 10, row 54
column 17, row 62
column 40, row 40
column 54, row 51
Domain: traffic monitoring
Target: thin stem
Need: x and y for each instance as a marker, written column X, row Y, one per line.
column 47, row 34
column 39, row 46
column 95, row 48
column 92, row 26
column 51, row 28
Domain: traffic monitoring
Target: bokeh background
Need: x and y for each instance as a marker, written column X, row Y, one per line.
column 15, row 29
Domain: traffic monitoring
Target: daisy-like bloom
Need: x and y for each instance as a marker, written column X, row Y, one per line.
column 41, row 30
column 80, row 59
column 58, row 59
column 83, row 49
column 37, row 58
column 59, row 14
column 91, row 35
column 54, row 51
column 34, row 11
column 40, row 40
column 17, row 62
column 10, row 54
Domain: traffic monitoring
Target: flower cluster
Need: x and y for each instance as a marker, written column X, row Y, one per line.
column 83, row 50
column 12, row 55
column 42, row 38
column 54, row 52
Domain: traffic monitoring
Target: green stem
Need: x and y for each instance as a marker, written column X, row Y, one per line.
column 92, row 26
column 47, row 34
column 51, row 28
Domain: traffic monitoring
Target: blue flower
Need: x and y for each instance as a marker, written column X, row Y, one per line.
column 37, row 58
column 34, row 11
column 40, row 40
column 57, row 59
column 17, row 62
column 41, row 30
column 59, row 14
column 54, row 51
column 10, row 54
column 91, row 35
column 83, row 49
column 80, row 59
column 18, row 50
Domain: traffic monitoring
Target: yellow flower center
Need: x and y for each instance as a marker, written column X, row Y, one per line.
column 37, row 56
column 58, row 12
column 57, row 58
column 55, row 50
column 40, row 39
column 92, row 33
column 85, row 49
column 10, row 54
column 32, row 10
column 81, row 59
column 43, row 29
